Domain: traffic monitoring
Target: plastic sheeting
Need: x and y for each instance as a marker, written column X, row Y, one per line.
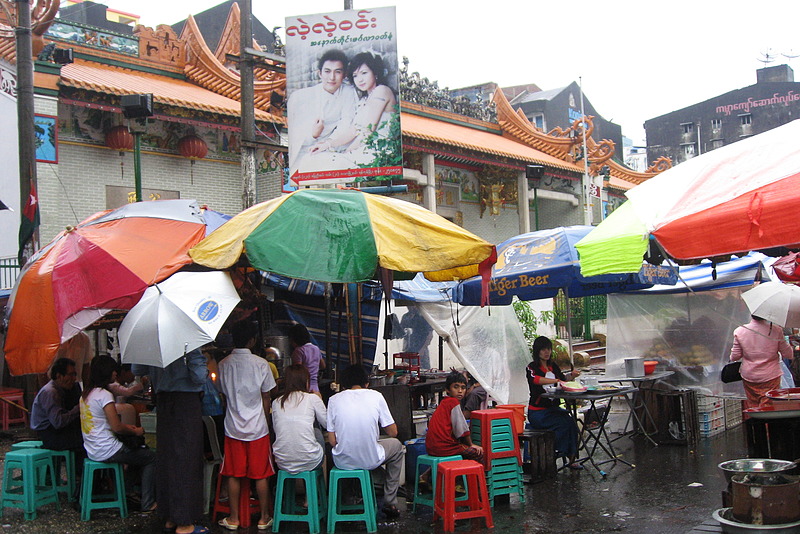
column 487, row 342
column 690, row 333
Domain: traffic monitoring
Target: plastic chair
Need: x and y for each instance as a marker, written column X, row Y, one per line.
column 433, row 462
column 210, row 464
column 68, row 457
column 117, row 499
column 284, row 500
column 31, row 489
column 494, row 431
column 504, row 477
column 338, row 511
column 444, row 504
column 248, row 504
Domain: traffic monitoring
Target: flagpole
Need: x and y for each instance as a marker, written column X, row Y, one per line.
column 587, row 208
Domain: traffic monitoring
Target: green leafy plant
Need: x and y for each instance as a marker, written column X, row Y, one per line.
column 530, row 320
column 387, row 148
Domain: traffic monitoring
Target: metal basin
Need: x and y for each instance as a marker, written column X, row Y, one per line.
column 749, row 466
column 730, row 526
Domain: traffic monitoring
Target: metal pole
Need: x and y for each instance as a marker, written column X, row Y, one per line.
column 587, row 211
column 536, row 206
column 137, row 164
column 25, row 105
column 248, row 120
column 348, row 4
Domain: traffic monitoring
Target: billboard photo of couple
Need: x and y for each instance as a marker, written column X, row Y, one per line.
column 343, row 97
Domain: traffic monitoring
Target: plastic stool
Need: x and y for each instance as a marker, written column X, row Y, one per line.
column 284, row 499
column 68, row 457
column 31, row 490
column 16, row 396
column 493, row 430
column 444, row 504
column 367, row 511
column 433, row 462
column 503, row 478
column 248, row 505
column 87, row 487
column 27, row 445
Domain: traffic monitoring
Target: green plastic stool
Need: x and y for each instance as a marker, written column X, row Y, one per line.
column 337, row 511
column 504, row 478
column 433, row 462
column 117, row 499
column 68, row 457
column 284, row 500
column 27, row 445
column 29, row 491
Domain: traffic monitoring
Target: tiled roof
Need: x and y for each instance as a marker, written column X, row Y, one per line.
column 120, row 81
column 450, row 134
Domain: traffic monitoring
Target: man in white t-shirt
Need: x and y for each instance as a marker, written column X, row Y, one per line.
column 246, row 380
column 354, row 416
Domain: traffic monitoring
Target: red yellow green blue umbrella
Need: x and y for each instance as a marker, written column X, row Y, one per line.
column 341, row 235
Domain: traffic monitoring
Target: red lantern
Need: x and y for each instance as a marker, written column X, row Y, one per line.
column 192, row 147
column 119, row 138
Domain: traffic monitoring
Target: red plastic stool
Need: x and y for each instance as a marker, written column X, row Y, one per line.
column 494, row 431
column 408, row 360
column 444, row 504
column 247, row 506
column 17, row 396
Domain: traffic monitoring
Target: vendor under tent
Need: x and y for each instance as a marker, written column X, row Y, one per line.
column 689, row 331
column 488, row 343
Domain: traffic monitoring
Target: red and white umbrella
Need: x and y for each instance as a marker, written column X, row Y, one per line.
column 737, row 198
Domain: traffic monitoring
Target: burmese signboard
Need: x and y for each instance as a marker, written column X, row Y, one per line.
column 343, row 97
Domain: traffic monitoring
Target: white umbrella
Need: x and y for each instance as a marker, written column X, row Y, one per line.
column 183, row 312
column 775, row 302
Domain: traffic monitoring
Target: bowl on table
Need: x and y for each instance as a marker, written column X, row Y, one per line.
column 650, row 366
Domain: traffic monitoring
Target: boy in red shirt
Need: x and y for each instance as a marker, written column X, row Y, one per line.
column 448, row 432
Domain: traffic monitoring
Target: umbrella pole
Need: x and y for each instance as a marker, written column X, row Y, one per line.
column 569, row 327
column 328, row 312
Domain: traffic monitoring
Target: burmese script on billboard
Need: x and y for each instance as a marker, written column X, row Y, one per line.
column 342, row 82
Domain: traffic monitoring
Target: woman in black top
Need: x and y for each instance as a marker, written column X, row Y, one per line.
column 544, row 413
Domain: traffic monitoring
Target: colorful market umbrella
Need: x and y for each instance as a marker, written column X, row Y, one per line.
column 733, row 199
column 183, row 312
column 538, row 264
column 336, row 235
column 106, row 262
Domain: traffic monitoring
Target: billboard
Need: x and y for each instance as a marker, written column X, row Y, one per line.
column 342, row 83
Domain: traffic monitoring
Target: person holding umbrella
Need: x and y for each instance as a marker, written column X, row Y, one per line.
column 760, row 344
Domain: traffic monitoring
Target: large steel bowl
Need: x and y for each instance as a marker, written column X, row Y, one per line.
column 751, row 466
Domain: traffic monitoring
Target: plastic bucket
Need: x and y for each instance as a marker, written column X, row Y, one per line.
column 414, row 449
column 518, row 417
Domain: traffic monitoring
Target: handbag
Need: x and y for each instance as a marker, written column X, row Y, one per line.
column 730, row 372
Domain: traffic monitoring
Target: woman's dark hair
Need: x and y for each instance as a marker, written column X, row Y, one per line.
column 373, row 63
column 355, row 375
column 540, row 343
column 455, row 377
column 298, row 334
column 296, row 378
column 100, row 373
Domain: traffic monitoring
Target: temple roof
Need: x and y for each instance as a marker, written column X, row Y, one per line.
column 486, row 142
column 120, row 81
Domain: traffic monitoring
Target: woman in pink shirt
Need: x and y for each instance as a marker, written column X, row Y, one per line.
column 760, row 345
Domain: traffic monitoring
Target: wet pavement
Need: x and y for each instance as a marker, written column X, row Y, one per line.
column 654, row 497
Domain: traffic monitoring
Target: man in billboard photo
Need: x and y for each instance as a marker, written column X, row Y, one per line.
column 316, row 112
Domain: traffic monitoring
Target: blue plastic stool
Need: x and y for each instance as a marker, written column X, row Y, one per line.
column 284, row 500
column 30, row 490
column 432, row 462
column 337, row 511
column 117, row 499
